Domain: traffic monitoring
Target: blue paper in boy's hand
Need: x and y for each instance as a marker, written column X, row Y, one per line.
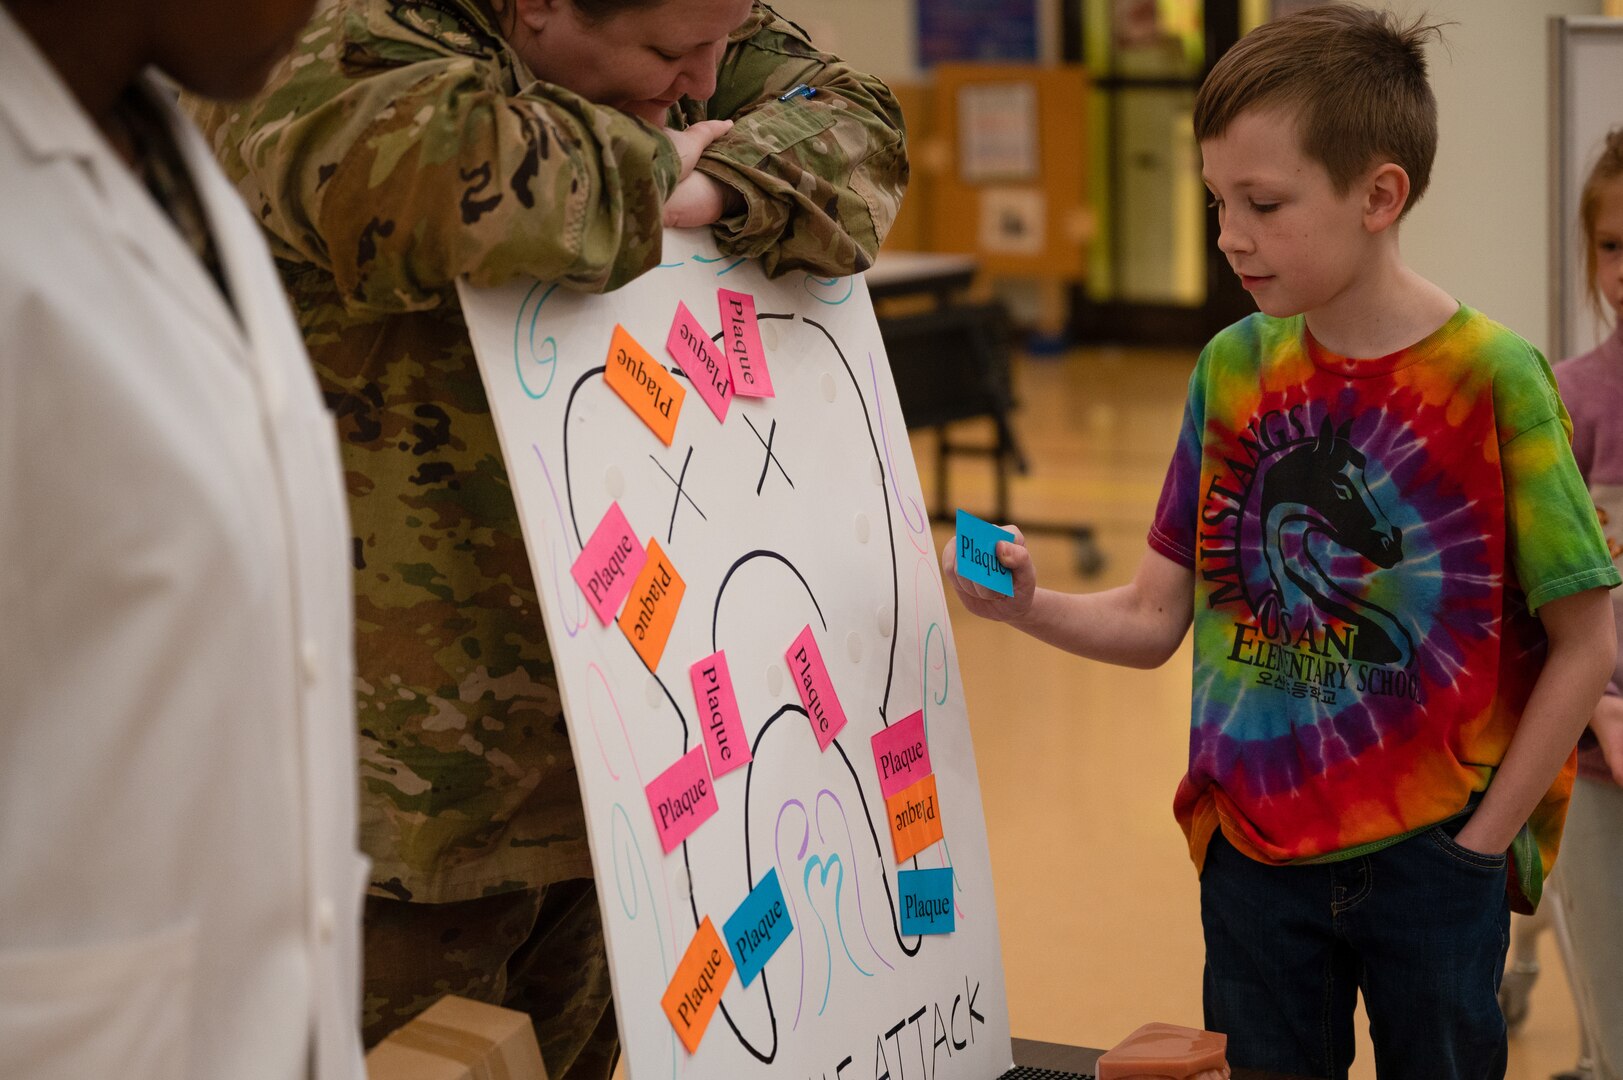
column 977, row 554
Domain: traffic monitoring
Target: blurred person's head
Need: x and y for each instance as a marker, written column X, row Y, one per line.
column 215, row 48
column 638, row 56
column 1600, row 212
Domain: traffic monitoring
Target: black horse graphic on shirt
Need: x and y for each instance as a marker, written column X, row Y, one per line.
column 1305, row 492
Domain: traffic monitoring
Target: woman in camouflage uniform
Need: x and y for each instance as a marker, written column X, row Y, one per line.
column 405, row 143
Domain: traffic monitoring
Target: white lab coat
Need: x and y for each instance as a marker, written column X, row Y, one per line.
column 180, row 888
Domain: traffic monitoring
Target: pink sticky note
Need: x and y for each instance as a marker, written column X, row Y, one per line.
column 901, row 755
column 681, row 798
column 816, row 688
column 742, row 335
column 718, row 712
column 704, row 362
column 609, row 563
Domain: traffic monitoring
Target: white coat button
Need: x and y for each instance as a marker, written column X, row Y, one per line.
column 326, row 920
column 310, row 654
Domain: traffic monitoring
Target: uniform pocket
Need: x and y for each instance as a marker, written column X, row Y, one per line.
column 121, row 1009
column 771, row 129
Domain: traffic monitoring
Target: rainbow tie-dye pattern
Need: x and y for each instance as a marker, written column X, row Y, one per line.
column 1368, row 539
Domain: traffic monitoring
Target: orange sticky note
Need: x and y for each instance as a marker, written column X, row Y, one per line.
column 695, row 991
column 915, row 818
column 650, row 609
column 652, row 392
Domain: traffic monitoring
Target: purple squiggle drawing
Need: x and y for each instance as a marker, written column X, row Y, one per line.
column 856, row 867
column 794, row 913
column 572, row 625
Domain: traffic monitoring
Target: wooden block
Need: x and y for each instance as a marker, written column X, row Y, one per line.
column 459, row 1039
column 1166, row 1052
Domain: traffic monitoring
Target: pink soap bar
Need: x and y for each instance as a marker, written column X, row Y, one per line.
column 816, row 688
column 741, row 333
column 702, row 360
column 609, row 563
column 718, row 712
column 681, row 799
column 1166, row 1052
column 901, row 754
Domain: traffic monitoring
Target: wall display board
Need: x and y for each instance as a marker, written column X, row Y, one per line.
column 984, row 30
column 1016, row 192
column 1586, row 72
column 746, row 614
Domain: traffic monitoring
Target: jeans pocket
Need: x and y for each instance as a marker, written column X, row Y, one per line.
column 1480, row 860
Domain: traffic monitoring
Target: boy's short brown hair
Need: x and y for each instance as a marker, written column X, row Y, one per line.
column 1354, row 78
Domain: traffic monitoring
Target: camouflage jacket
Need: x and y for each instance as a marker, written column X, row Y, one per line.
column 403, row 144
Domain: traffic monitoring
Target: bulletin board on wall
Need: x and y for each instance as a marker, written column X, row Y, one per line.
column 1586, row 101
column 1013, row 190
column 977, row 30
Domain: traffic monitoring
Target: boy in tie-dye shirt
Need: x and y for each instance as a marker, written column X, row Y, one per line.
column 1395, row 577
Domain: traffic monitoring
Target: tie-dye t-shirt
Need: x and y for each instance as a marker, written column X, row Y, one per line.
column 1369, row 540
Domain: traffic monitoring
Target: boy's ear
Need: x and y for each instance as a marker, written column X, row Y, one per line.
column 1386, row 193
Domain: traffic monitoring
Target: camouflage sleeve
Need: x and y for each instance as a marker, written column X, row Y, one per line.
column 402, row 179
column 822, row 176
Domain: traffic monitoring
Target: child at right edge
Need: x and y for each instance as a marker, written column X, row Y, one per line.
column 1395, row 576
column 1591, row 883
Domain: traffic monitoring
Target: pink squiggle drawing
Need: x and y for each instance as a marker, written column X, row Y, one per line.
column 915, row 527
column 856, row 868
column 573, row 624
column 783, row 874
column 591, row 714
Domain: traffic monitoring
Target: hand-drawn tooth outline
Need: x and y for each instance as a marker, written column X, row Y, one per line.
column 881, row 458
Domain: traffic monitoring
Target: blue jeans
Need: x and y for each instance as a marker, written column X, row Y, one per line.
column 1421, row 928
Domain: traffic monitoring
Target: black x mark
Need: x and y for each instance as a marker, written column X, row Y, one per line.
column 676, row 504
column 771, row 458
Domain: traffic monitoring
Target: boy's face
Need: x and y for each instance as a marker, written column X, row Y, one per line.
column 1297, row 244
column 1609, row 246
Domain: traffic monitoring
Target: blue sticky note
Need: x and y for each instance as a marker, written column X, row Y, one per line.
column 758, row 927
column 977, row 554
column 925, row 897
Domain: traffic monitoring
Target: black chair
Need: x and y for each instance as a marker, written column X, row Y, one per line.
column 953, row 363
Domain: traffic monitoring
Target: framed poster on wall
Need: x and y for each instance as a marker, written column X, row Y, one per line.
column 1000, row 30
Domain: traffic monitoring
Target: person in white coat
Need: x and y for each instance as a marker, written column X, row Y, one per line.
column 180, row 885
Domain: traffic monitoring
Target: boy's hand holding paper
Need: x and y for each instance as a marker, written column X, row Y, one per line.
column 991, row 586
column 976, row 546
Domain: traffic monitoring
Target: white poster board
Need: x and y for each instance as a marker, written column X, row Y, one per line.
column 798, row 510
column 1586, row 65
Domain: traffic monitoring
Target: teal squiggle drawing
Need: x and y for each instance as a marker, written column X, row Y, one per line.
column 828, row 283
column 550, row 362
column 620, row 815
column 832, row 863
